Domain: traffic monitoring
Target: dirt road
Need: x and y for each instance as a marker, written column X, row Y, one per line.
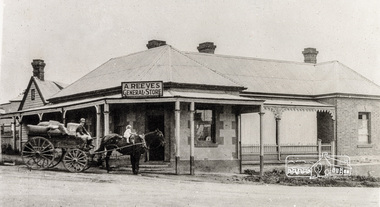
column 21, row 187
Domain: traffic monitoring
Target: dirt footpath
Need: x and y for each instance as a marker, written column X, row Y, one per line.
column 21, row 187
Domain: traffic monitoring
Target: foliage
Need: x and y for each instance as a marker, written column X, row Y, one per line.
column 279, row 177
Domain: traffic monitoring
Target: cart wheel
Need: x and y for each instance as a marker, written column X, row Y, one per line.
column 58, row 155
column 75, row 160
column 38, row 153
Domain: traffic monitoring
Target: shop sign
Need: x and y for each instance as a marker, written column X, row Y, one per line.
column 144, row 89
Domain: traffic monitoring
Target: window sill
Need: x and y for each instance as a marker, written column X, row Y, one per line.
column 205, row 144
column 365, row 145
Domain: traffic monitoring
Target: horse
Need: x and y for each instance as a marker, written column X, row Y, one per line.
column 138, row 145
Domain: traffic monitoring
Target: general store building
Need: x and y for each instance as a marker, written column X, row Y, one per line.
column 228, row 102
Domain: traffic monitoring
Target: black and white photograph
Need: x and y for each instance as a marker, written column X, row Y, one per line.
column 189, row 103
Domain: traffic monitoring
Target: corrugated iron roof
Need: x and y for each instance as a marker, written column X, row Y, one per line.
column 47, row 88
column 167, row 64
column 285, row 77
column 158, row 64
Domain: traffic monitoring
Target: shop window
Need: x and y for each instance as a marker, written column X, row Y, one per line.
column 204, row 120
column 364, row 123
column 33, row 94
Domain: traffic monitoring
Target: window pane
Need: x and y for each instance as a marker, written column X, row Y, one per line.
column 32, row 94
column 203, row 125
column 363, row 128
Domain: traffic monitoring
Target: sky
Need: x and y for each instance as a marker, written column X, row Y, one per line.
column 75, row 37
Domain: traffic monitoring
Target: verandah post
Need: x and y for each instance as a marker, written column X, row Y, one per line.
column 98, row 114
column 177, row 135
column 261, row 143
column 106, row 118
column 14, row 133
column 278, row 137
column 1, row 141
column 192, row 111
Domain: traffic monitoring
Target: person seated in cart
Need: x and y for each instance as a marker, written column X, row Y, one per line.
column 83, row 133
column 128, row 133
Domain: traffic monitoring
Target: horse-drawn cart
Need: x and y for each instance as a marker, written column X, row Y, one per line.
column 49, row 143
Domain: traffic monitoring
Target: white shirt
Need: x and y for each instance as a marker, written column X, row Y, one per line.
column 127, row 133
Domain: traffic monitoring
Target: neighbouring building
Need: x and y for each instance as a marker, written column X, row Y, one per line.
column 229, row 102
column 37, row 92
column 9, row 127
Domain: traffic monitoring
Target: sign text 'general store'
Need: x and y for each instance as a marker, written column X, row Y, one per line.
column 142, row 89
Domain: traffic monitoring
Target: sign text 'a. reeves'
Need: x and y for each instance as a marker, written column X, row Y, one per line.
column 141, row 89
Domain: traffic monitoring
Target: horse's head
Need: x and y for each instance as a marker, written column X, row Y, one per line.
column 154, row 139
column 161, row 137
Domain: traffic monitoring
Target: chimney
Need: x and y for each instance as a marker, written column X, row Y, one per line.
column 310, row 55
column 206, row 47
column 38, row 68
column 155, row 43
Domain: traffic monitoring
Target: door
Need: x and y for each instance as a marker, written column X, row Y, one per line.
column 156, row 152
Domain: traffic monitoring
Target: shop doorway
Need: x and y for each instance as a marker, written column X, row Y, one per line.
column 156, row 153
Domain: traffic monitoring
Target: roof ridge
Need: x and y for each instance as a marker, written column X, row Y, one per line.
column 215, row 71
column 135, row 53
column 83, row 77
column 354, row 71
column 37, row 82
column 154, row 63
column 250, row 58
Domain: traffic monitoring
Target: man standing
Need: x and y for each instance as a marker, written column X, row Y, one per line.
column 83, row 133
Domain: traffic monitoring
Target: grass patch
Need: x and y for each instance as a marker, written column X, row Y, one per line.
column 279, row 177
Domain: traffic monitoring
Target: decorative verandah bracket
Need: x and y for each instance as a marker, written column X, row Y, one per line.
column 279, row 110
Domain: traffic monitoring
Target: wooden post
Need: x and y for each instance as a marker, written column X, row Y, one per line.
column 106, row 119
column 334, row 150
column 64, row 117
column 177, row 135
column 332, row 143
column 192, row 111
column 319, row 147
column 20, row 134
column 239, row 143
column 261, row 143
column 98, row 116
column 1, row 152
column 278, row 119
column 14, row 133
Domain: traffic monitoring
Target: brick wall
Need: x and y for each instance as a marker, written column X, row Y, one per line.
column 347, row 126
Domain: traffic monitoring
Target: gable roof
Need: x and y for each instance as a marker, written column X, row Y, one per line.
column 45, row 89
column 157, row 64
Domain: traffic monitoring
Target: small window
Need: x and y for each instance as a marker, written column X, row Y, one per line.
column 33, row 94
column 204, row 125
column 364, row 123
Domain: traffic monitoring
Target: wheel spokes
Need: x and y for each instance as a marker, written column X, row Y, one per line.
column 38, row 153
column 75, row 160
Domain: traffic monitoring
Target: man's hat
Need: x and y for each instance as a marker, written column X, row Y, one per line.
column 82, row 120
